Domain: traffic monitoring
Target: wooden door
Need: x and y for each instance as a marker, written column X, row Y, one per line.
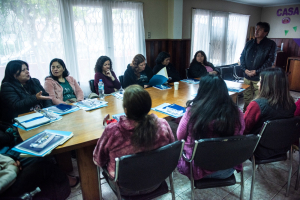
column 294, row 75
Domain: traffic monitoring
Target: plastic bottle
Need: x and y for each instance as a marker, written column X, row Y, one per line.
column 28, row 196
column 101, row 89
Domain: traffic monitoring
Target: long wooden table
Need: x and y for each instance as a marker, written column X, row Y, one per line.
column 87, row 129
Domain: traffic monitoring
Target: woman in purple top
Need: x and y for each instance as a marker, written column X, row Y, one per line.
column 211, row 114
column 104, row 71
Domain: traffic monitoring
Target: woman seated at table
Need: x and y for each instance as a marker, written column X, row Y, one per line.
column 273, row 102
column 20, row 93
column 137, row 72
column 163, row 60
column 200, row 67
column 135, row 132
column 211, row 114
column 60, row 86
column 105, row 72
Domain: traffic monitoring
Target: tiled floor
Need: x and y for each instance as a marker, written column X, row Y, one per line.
column 271, row 181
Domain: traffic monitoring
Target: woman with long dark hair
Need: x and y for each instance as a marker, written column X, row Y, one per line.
column 62, row 87
column 211, row 114
column 163, row 60
column 20, row 93
column 135, row 132
column 104, row 71
column 273, row 102
column 137, row 72
column 200, row 66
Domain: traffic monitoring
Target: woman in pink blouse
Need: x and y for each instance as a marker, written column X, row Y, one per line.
column 135, row 132
column 211, row 114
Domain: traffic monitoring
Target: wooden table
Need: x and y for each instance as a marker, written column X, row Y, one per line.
column 87, row 128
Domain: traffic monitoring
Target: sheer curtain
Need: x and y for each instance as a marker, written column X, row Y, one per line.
column 220, row 35
column 77, row 31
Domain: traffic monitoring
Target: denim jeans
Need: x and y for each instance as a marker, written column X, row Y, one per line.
column 221, row 174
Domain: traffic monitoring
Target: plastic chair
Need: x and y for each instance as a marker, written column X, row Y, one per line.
column 218, row 154
column 92, row 87
column 277, row 134
column 144, row 170
column 121, row 78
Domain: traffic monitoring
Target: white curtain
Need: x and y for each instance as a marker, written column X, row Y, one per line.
column 77, row 31
column 220, row 35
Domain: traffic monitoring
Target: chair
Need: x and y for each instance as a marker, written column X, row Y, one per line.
column 238, row 73
column 298, row 172
column 144, row 170
column 92, row 87
column 121, row 78
column 187, row 72
column 277, row 134
column 218, row 154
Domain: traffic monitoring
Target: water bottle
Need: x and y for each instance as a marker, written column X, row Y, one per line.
column 101, row 89
column 28, row 196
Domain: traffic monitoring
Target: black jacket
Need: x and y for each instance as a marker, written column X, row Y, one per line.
column 170, row 70
column 130, row 78
column 258, row 56
column 198, row 70
column 16, row 100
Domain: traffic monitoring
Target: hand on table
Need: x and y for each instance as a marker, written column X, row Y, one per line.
column 39, row 96
column 18, row 165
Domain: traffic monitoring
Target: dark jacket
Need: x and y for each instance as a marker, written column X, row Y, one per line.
column 130, row 78
column 198, row 70
column 258, row 56
column 16, row 100
column 170, row 70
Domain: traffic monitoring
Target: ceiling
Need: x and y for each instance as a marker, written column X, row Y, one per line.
column 266, row 3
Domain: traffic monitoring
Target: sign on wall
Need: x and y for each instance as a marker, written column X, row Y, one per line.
column 285, row 12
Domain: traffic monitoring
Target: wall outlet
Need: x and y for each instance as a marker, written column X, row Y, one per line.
column 149, row 35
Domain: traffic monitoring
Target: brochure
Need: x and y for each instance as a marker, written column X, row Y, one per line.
column 32, row 120
column 62, row 109
column 43, row 143
column 157, row 80
column 162, row 87
column 172, row 110
column 91, row 104
column 191, row 81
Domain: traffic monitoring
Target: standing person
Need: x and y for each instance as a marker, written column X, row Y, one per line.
column 136, row 132
column 273, row 102
column 104, row 71
column 137, row 72
column 163, row 60
column 20, row 93
column 211, row 114
column 258, row 54
column 60, row 86
column 200, row 67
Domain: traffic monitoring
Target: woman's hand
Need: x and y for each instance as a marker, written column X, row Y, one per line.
column 18, row 165
column 108, row 73
column 145, row 86
column 105, row 119
column 213, row 72
column 39, row 96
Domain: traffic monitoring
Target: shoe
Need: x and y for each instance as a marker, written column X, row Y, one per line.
column 77, row 184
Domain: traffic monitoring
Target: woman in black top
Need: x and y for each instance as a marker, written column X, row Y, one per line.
column 163, row 60
column 20, row 93
column 200, row 67
column 137, row 72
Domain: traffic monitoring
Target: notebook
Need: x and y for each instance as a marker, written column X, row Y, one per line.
column 62, row 109
column 157, row 80
column 32, row 120
column 43, row 143
column 172, row 110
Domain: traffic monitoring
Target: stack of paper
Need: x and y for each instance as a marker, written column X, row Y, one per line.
column 31, row 120
column 234, row 86
column 62, row 109
column 191, row 81
column 118, row 95
column 43, row 143
column 172, row 110
column 162, row 87
column 91, row 104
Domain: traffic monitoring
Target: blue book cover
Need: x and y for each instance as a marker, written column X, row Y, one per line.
column 43, row 143
column 172, row 110
column 162, row 87
column 157, row 80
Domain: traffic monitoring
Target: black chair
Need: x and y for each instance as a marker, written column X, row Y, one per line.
column 121, row 78
column 144, row 170
column 187, row 72
column 277, row 134
column 238, row 73
column 92, row 87
column 218, row 154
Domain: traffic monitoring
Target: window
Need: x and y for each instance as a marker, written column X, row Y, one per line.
column 220, row 35
column 79, row 32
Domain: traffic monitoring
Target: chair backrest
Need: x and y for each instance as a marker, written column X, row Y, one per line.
column 223, row 153
column 187, row 72
column 121, row 80
column 147, row 169
column 92, row 87
column 226, row 72
column 280, row 133
column 238, row 71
